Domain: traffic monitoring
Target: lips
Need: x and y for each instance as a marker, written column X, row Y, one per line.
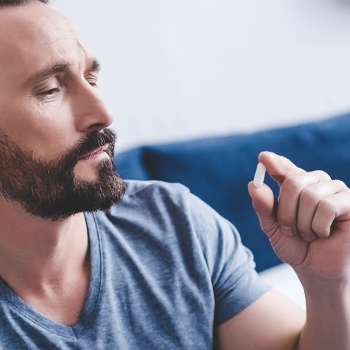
column 93, row 153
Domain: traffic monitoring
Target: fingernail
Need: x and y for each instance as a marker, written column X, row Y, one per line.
column 286, row 230
column 272, row 155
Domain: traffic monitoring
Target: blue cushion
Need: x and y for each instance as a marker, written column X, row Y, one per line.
column 217, row 169
column 130, row 164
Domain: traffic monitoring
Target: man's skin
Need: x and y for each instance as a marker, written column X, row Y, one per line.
column 49, row 114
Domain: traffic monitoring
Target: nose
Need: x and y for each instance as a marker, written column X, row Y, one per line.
column 91, row 112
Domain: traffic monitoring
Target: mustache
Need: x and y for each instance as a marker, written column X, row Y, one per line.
column 89, row 143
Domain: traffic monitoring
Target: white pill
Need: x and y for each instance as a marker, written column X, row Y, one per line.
column 259, row 175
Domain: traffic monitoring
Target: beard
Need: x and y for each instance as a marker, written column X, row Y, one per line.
column 50, row 189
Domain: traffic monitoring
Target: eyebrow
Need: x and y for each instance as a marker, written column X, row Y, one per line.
column 93, row 66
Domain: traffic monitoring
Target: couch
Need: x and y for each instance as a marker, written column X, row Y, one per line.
column 217, row 169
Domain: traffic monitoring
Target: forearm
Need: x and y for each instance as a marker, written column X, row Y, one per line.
column 328, row 317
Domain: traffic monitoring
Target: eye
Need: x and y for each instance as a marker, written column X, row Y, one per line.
column 93, row 83
column 51, row 92
column 92, row 80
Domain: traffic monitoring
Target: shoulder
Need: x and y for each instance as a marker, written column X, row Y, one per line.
column 153, row 187
column 150, row 197
column 168, row 207
column 172, row 203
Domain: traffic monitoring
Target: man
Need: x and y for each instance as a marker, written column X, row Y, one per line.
column 157, row 269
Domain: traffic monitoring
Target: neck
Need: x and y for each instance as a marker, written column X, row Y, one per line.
column 36, row 253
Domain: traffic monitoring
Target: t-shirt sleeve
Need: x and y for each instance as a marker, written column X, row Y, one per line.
column 236, row 284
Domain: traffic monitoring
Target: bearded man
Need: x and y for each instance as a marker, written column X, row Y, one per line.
column 87, row 264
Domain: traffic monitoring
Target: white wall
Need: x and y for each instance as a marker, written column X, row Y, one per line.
column 180, row 69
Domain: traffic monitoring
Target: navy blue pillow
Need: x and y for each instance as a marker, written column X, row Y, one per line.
column 130, row 164
column 218, row 169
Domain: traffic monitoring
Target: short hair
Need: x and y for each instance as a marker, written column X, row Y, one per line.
column 4, row 3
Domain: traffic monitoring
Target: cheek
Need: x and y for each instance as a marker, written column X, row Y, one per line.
column 48, row 132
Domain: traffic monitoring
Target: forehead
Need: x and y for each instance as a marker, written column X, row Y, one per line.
column 34, row 36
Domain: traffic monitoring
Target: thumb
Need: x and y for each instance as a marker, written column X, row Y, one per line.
column 264, row 205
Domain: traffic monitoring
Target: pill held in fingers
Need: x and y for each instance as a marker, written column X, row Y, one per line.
column 259, row 175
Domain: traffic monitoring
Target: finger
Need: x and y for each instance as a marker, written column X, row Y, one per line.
column 330, row 210
column 314, row 209
column 264, row 204
column 288, row 203
column 278, row 167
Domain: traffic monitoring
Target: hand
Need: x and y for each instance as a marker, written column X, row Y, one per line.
column 309, row 224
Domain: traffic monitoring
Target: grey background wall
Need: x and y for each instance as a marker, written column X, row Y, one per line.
column 189, row 68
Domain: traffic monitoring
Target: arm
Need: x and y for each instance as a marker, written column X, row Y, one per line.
column 309, row 228
column 273, row 322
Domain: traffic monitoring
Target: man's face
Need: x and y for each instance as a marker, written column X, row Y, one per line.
column 55, row 150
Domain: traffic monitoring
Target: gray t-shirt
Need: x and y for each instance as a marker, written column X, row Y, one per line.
column 166, row 269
